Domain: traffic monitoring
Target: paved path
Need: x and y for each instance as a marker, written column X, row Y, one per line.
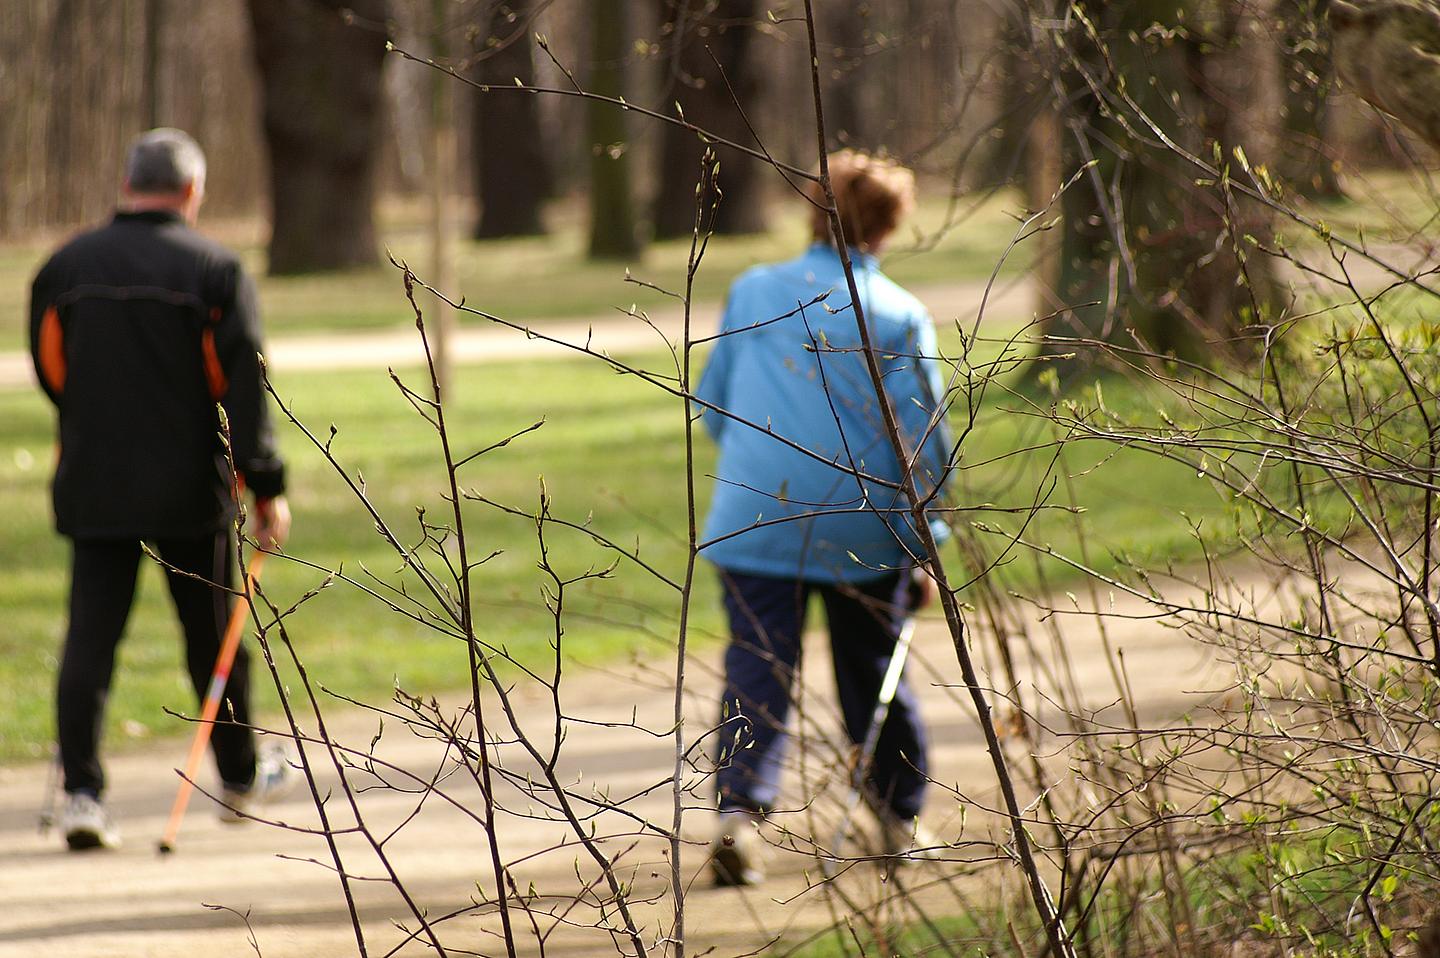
column 132, row 902
column 1010, row 302
column 613, row 333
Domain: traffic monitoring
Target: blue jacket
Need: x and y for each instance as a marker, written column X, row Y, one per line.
column 788, row 373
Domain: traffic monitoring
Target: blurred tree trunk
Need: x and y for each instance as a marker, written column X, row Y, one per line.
column 1305, row 162
column 440, row 166
column 123, row 66
column 59, row 131
column 320, row 66
column 849, row 116
column 927, row 74
column 154, row 21
column 512, row 168
column 709, row 44
column 1021, row 91
column 1389, row 54
column 612, row 215
column 1146, row 253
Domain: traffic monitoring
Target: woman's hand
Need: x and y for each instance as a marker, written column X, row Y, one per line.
column 923, row 590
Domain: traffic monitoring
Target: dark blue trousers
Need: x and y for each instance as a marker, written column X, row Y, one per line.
column 767, row 618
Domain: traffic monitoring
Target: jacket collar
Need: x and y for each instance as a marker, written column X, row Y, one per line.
column 158, row 217
column 825, row 253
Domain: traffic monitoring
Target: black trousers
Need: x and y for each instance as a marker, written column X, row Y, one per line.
column 767, row 620
column 102, row 589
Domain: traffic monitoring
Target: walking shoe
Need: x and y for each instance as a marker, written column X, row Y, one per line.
column 275, row 778
column 86, row 824
column 906, row 841
column 735, row 856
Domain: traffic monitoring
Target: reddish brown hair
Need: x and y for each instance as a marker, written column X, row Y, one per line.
column 873, row 195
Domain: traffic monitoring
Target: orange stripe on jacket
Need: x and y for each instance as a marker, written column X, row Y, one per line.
column 52, row 350
column 214, row 372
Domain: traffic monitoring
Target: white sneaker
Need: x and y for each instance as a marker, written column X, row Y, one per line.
column 275, row 778
column 86, row 824
column 735, row 857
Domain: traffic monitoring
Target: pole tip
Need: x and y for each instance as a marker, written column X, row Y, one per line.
column 165, row 848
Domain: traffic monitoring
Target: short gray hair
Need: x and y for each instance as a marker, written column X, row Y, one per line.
column 165, row 160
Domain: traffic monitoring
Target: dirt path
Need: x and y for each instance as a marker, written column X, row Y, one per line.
column 611, row 333
column 132, row 902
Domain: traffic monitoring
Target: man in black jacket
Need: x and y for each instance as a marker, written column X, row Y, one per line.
column 139, row 329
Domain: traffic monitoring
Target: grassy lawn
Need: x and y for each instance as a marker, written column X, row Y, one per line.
column 549, row 277
column 610, row 453
column 606, row 450
column 1311, row 873
column 944, row 934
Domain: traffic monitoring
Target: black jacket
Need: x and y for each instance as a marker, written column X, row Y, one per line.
column 137, row 329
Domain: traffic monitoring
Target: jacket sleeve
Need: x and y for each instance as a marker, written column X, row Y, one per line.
column 47, row 336
column 917, row 388
column 237, row 348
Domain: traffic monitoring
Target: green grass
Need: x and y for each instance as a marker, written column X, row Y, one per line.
column 1294, row 890
column 544, row 278
column 1388, row 206
column 610, row 453
column 607, row 451
column 940, row 935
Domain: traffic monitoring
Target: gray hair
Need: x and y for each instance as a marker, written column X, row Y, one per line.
column 164, row 161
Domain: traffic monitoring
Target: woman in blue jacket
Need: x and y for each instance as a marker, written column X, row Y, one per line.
column 807, row 499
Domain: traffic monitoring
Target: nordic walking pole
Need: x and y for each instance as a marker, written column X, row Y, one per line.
column 52, row 792
column 888, row 687
column 229, row 645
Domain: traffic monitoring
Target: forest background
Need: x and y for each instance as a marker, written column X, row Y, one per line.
column 1216, row 218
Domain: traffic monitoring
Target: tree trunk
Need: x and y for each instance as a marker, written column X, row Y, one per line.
column 512, row 169
column 709, row 44
column 63, row 131
column 849, row 113
column 1146, row 253
column 1020, row 95
column 1387, row 53
column 1043, row 178
column 320, row 65
column 440, row 166
column 150, row 66
column 612, row 215
column 1305, row 162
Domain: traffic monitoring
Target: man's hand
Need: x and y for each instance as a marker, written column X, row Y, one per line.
column 272, row 522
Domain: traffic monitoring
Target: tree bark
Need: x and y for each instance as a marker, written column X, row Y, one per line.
column 849, row 109
column 1388, row 51
column 612, row 216
column 150, row 67
column 1146, row 252
column 1305, row 162
column 440, row 166
column 320, row 65
column 709, row 45
column 512, row 169
column 1021, row 98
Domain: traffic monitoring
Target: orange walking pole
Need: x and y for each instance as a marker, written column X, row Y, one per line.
column 229, row 645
